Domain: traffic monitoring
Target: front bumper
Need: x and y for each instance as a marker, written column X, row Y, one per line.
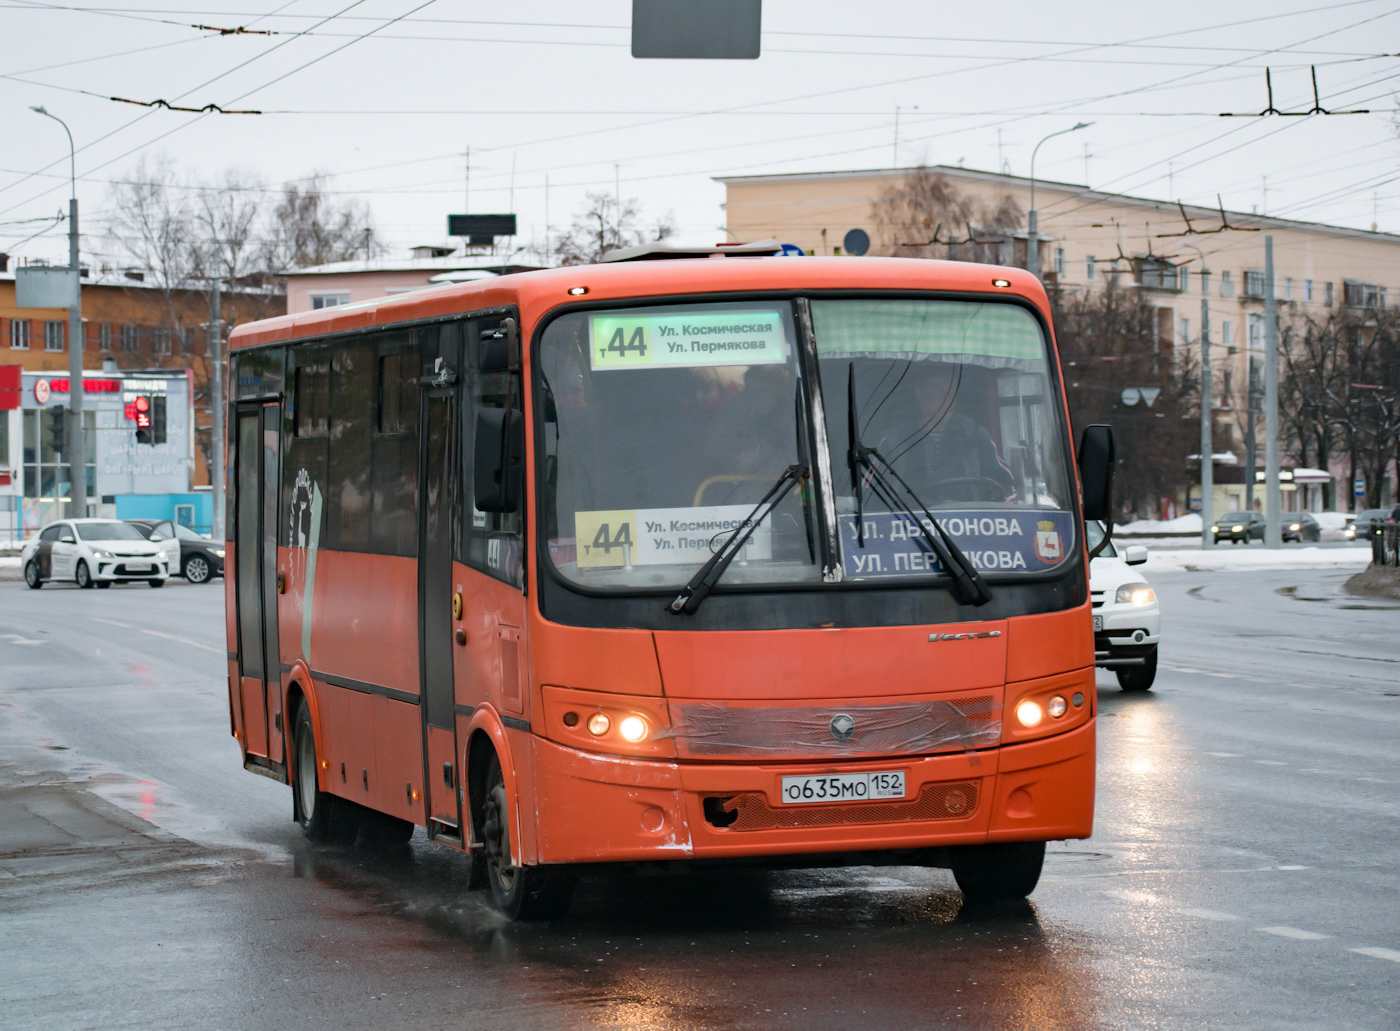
column 597, row 809
column 1129, row 633
column 121, row 569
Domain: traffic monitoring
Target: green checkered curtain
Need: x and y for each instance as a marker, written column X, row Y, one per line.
column 997, row 335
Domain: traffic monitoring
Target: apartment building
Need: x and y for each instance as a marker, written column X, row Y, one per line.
column 1173, row 255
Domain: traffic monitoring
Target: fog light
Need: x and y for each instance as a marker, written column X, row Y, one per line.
column 598, row 724
column 632, row 728
column 1029, row 713
column 1057, row 707
column 571, row 719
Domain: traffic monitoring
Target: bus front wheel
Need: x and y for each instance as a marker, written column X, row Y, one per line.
column 315, row 809
column 520, row 892
column 998, row 873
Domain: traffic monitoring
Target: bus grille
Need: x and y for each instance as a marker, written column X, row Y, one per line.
column 903, row 728
column 952, row 801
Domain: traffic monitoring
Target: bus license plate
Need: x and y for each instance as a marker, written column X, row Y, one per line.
column 1098, row 623
column 843, row 787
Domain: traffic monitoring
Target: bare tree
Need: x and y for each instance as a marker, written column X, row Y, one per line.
column 602, row 226
column 1108, row 343
column 1340, row 391
column 924, row 215
column 308, row 227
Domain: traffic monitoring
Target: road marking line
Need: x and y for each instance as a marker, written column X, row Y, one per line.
column 1210, row 914
column 1294, row 933
column 1132, row 896
column 1292, row 867
column 185, row 640
column 112, row 622
column 17, row 639
column 1269, row 762
column 1223, row 676
column 1378, row 953
column 1224, row 755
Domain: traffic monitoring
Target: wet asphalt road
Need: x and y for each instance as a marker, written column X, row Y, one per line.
column 1243, row 872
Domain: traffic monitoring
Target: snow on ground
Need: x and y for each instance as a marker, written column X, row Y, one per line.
column 1183, row 524
column 1225, row 558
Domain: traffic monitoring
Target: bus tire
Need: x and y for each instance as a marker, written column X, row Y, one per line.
column 1139, row 678
column 1002, row 872
column 31, row 575
column 520, row 892
column 315, row 809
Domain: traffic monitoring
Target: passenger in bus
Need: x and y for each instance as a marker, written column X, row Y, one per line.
column 944, row 453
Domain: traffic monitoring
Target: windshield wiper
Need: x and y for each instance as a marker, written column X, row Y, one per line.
column 968, row 584
column 694, row 592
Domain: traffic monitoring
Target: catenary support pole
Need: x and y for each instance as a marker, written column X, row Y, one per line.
column 1273, row 500
column 1207, row 445
column 217, row 408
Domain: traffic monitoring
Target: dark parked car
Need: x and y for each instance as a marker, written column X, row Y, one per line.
column 200, row 557
column 1239, row 527
column 1300, row 526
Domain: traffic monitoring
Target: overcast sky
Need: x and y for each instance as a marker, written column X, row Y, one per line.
column 539, row 88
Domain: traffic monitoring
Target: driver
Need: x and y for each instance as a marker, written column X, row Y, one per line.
column 948, row 456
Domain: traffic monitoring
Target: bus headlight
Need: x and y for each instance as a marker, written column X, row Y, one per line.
column 1057, row 706
column 636, row 726
column 1029, row 713
column 599, row 724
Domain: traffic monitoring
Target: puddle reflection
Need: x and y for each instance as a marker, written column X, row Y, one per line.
column 823, row 948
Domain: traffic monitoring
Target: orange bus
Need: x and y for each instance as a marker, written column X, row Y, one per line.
column 735, row 560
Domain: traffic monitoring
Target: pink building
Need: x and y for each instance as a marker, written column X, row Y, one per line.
column 351, row 282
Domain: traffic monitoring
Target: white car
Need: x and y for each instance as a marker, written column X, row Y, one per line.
column 92, row 552
column 1127, row 621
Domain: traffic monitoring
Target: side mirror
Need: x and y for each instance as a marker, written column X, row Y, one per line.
column 155, row 537
column 1135, row 554
column 66, row 538
column 499, row 350
column 1096, row 460
column 498, row 460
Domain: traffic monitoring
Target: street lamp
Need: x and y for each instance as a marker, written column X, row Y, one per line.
column 1032, row 238
column 77, row 439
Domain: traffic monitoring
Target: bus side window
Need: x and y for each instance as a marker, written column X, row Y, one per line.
column 494, row 541
column 394, row 519
column 304, row 440
column 351, row 432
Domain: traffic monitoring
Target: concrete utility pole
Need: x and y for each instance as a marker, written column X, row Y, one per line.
column 76, row 437
column 1207, row 445
column 1273, row 499
column 1032, row 228
column 216, row 404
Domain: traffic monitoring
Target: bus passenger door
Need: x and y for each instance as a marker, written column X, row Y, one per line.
column 435, row 608
column 258, row 475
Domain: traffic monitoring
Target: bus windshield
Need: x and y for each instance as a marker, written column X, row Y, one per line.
column 956, row 400
column 663, row 429
column 664, row 426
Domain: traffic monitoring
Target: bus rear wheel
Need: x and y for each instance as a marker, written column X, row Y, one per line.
column 1002, row 872
column 520, row 892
